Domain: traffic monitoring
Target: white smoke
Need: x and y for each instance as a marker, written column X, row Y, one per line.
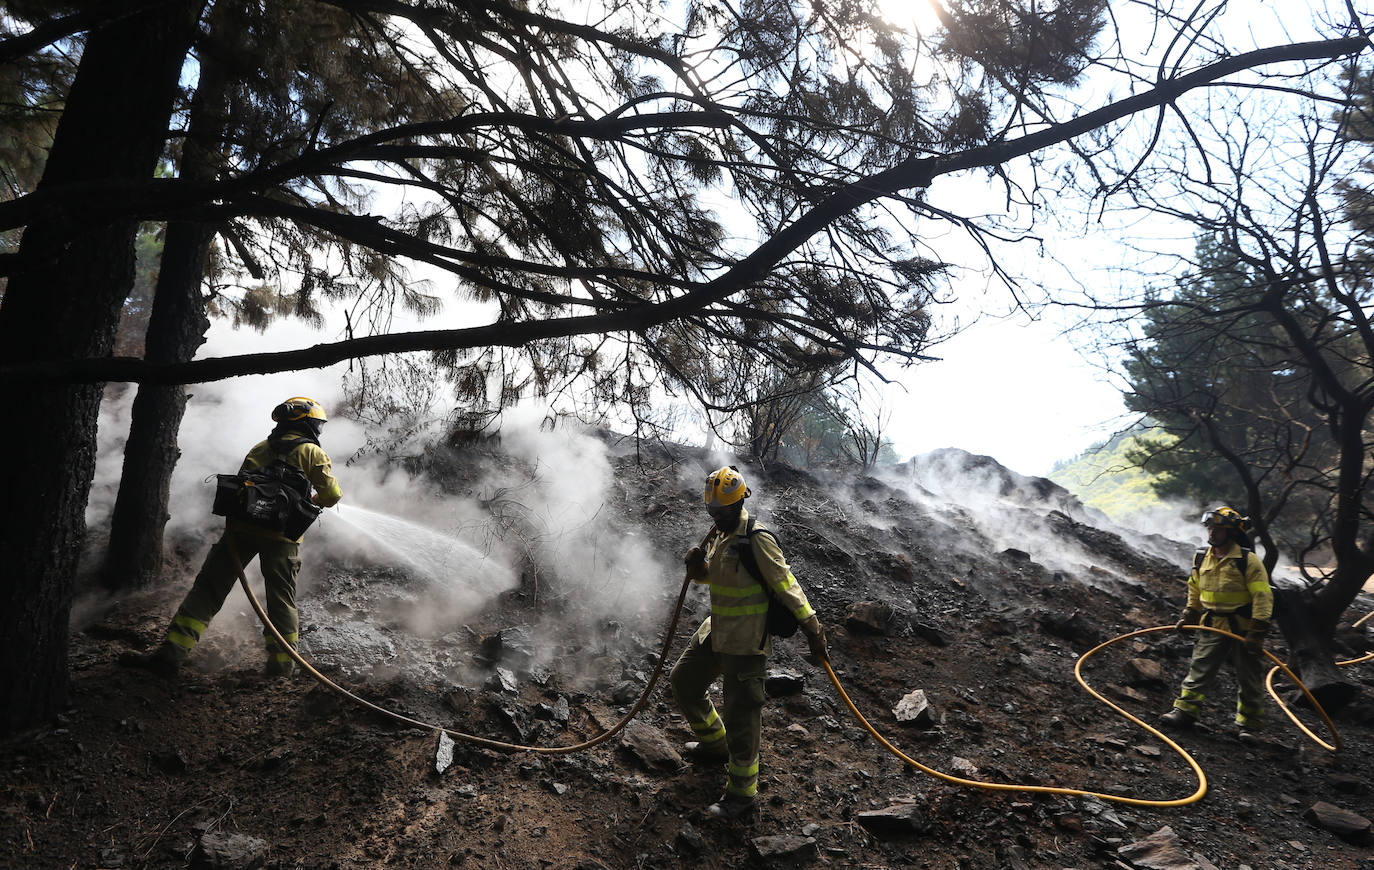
column 1008, row 511
column 562, row 484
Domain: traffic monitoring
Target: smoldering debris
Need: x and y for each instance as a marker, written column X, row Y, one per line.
column 512, row 647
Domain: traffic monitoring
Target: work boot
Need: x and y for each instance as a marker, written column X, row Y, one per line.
column 732, row 808
column 164, row 661
column 714, row 752
column 274, row 668
column 1177, row 718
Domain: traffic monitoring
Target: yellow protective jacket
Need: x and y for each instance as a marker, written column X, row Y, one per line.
column 739, row 606
column 308, row 457
column 1228, row 582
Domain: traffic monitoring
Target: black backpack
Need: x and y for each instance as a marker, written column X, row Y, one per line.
column 781, row 622
column 275, row 497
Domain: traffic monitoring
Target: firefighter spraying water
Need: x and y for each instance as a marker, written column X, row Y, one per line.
column 267, row 505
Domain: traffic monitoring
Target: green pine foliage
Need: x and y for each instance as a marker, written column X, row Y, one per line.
column 1105, row 477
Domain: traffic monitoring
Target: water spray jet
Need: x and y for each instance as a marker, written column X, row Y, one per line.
column 429, row 553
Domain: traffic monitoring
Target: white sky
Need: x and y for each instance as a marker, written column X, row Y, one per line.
column 1011, row 389
column 1008, row 385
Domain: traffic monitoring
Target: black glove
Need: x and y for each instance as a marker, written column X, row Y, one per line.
column 1188, row 617
column 695, row 560
column 1254, row 638
column 815, row 639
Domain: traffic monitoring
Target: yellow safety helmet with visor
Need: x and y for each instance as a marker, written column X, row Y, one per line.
column 298, row 408
column 1226, row 518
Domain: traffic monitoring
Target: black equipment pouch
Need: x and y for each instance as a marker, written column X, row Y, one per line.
column 275, row 497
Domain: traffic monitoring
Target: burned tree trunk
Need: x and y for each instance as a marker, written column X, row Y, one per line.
column 1313, row 656
column 175, row 330
column 66, row 286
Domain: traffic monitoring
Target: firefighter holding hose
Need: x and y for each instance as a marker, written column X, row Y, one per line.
column 1228, row 589
column 734, row 642
column 294, row 441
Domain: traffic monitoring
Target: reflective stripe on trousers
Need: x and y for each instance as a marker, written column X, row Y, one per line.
column 1210, row 651
column 742, row 725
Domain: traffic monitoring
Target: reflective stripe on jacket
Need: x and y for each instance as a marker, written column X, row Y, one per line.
column 739, row 606
column 310, row 458
column 1229, row 583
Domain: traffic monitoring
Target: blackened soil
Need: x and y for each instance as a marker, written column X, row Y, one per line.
column 143, row 772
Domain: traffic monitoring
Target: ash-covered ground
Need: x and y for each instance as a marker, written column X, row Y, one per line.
column 950, row 575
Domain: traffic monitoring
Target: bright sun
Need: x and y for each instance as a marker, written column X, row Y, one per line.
column 910, row 14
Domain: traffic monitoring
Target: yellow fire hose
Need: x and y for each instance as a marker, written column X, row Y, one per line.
column 835, row 680
column 1078, row 675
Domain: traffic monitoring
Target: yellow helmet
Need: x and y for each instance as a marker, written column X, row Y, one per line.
column 298, row 408
column 1226, row 518
column 724, row 487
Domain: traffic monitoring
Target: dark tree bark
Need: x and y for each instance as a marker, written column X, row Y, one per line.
column 176, row 329
column 1313, row 658
column 1354, row 563
column 62, row 303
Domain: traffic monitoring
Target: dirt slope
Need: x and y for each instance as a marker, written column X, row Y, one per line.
column 987, row 617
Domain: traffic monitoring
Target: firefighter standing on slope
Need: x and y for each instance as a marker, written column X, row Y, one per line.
column 296, row 439
column 733, row 642
column 1228, row 589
